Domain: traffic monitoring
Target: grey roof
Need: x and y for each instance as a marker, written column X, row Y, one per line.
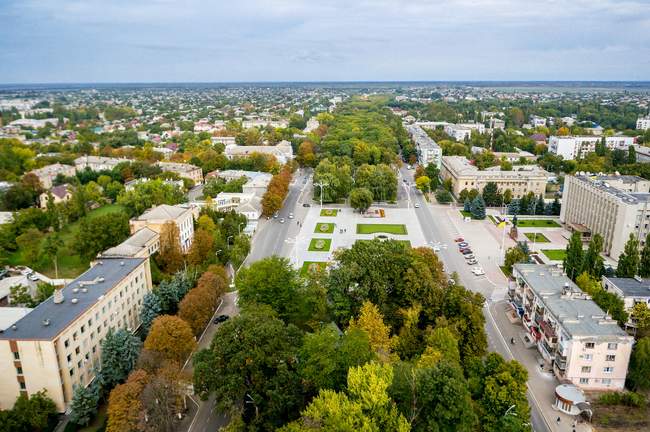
column 630, row 287
column 577, row 313
column 132, row 245
column 162, row 212
column 59, row 316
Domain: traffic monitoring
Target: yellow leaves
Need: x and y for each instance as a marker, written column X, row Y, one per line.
column 371, row 321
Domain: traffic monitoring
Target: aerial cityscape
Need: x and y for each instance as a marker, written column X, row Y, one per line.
column 297, row 220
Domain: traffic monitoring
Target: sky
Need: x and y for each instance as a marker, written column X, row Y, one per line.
column 79, row 41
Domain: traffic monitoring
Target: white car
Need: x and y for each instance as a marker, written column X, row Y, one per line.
column 478, row 271
column 290, row 215
column 417, row 205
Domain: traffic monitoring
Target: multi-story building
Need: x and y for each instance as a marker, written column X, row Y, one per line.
column 536, row 121
column 429, row 152
column 156, row 217
column 631, row 291
column 581, row 343
column 48, row 173
column 57, row 345
column 576, row 147
column 521, row 180
column 142, row 244
column 613, row 206
column 97, row 163
column 188, row 171
column 283, row 151
column 247, row 204
column 463, row 131
column 225, row 140
column 643, row 123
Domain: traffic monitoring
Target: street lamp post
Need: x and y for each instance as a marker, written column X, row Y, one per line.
column 321, row 185
column 239, row 227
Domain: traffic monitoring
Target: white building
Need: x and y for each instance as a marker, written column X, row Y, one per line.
column 631, row 291
column 643, row 123
column 619, row 142
column 97, row 163
column 142, row 244
column 248, row 204
column 34, row 123
column 429, row 152
column 183, row 170
column 156, row 217
column 225, row 140
column 48, row 173
column 463, row 131
column 283, row 151
column 572, row 147
column 536, row 121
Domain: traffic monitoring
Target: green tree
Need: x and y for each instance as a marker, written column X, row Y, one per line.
column 491, row 195
column 638, row 375
column 100, row 233
column 151, row 308
column 423, row 184
column 51, row 248
column 120, row 352
column 478, row 208
column 251, row 369
column 360, row 199
column 29, row 242
column 443, row 196
column 19, row 295
column 433, row 173
column 84, row 404
column 631, row 155
column 507, row 196
column 148, row 194
column 592, row 262
column 644, row 261
column 628, row 261
column 33, row 413
column 574, row 256
column 641, row 315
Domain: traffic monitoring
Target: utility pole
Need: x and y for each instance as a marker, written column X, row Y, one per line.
column 321, row 185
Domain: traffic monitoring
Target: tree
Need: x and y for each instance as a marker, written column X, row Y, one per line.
column 433, row 173
column 539, row 205
column 19, row 295
column 607, row 301
column 423, row 184
column 513, row 256
column 100, row 233
column 172, row 337
column 371, row 321
column 202, row 249
column 148, row 194
column 32, row 413
column 507, row 196
column 162, row 400
column 641, row 316
column 29, row 242
column 251, row 369
column 443, row 196
column 239, row 250
column 491, row 195
column 555, row 207
column 84, row 404
column 592, row 262
column 150, row 310
column 360, row 199
column 631, row 155
column 478, row 208
column 51, row 247
column 124, row 406
column 170, row 256
column 467, row 205
column 644, row 262
column 628, row 261
column 574, row 256
column 199, row 304
column 638, row 374
column 120, row 352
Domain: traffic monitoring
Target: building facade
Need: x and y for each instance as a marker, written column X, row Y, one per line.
column 183, row 170
column 521, row 180
column 97, row 163
column 48, row 173
column 282, row 151
column 576, row 147
column 57, row 345
column 429, row 152
column 631, row 291
column 613, row 206
column 580, row 342
column 643, row 123
column 156, row 217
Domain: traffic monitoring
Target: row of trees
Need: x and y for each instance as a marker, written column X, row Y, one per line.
column 381, row 339
column 277, row 191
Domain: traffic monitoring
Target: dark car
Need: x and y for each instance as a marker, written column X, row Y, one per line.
column 221, row 318
column 306, row 205
column 466, row 251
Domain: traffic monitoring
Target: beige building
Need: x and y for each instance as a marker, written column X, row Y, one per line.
column 184, row 170
column 48, row 173
column 283, row 151
column 521, row 180
column 580, row 342
column 97, row 163
column 57, row 194
column 57, row 345
column 142, row 244
column 613, row 206
column 156, row 217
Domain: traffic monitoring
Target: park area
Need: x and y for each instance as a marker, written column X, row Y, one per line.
column 398, row 229
column 537, row 223
column 324, row 228
column 312, row 267
column 320, row 245
column 537, row 237
column 554, row 254
column 329, row 212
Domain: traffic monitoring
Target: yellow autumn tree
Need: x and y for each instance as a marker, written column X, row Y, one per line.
column 371, row 321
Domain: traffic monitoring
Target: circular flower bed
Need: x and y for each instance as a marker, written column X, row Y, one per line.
column 313, row 268
column 324, row 227
column 320, row 244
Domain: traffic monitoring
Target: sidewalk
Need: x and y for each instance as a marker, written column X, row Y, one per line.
column 541, row 383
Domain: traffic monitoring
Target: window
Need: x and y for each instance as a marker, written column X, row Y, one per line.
column 72, row 372
column 19, row 370
column 16, row 355
column 588, row 356
column 22, row 386
column 76, row 350
column 607, row 381
column 586, row 369
column 589, row 345
column 610, row 357
column 83, row 329
column 66, row 343
column 608, row 369
column 69, row 357
column 584, row 380
column 612, row 346
column 74, row 336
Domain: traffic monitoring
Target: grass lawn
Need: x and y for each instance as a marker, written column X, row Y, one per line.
column 537, row 223
column 406, row 242
column 324, row 244
column 554, row 254
column 324, row 228
column 505, row 271
column 329, row 212
column 537, row 237
column 466, row 213
column 71, row 265
column 312, row 266
column 399, row 229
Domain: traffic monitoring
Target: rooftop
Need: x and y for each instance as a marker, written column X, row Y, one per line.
column 163, row 212
column 48, row 319
column 602, row 183
column 175, row 166
column 462, row 166
column 631, row 287
column 574, row 309
column 132, row 245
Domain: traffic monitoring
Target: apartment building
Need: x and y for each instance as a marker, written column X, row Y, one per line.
column 580, row 342
column 521, row 180
column 631, row 291
column 97, row 163
column 57, row 345
column 142, row 244
column 48, row 173
column 282, row 151
column 576, row 147
column 643, row 123
column 429, row 152
column 613, row 206
column 156, row 217
column 463, row 131
column 183, row 170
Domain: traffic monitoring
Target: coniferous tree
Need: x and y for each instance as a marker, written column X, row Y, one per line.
column 467, row 205
column 120, row 352
column 539, row 205
column 574, row 256
column 628, row 261
column 478, row 208
column 84, row 404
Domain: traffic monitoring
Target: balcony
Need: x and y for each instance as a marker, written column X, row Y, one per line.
column 549, row 332
column 530, row 296
column 560, row 362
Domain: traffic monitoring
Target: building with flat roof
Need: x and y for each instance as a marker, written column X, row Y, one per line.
column 142, row 244
column 643, row 123
column 613, row 206
column 282, row 151
column 576, row 147
column 184, row 170
column 521, row 180
column 581, row 343
column 463, row 131
column 156, row 217
column 97, row 163
column 48, row 173
column 631, row 291
column 429, row 152
column 57, row 345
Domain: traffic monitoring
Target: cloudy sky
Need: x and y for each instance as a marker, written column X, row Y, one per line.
column 315, row 40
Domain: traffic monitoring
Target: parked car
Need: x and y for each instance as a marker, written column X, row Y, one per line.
column 470, row 257
column 466, row 251
column 306, row 205
column 221, row 318
column 276, row 215
column 472, row 262
column 417, row 205
column 459, row 239
column 478, row 271
column 33, row 277
column 281, row 220
column 463, row 245
column 290, row 215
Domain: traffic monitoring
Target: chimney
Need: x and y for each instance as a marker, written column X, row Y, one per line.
column 58, row 296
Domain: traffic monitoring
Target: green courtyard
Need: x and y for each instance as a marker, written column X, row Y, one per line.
column 324, row 228
column 320, row 245
column 537, row 223
column 537, row 237
column 312, row 266
column 329, row 212
column 555, row 254
column 398, row 229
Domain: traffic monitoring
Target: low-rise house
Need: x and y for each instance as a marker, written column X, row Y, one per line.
column 184, row 170
column 631, row 291
column 58, row 194
column 225, row 140
column 48, row 173
column 577, row 339
column 156, row 217
column 247, row 204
